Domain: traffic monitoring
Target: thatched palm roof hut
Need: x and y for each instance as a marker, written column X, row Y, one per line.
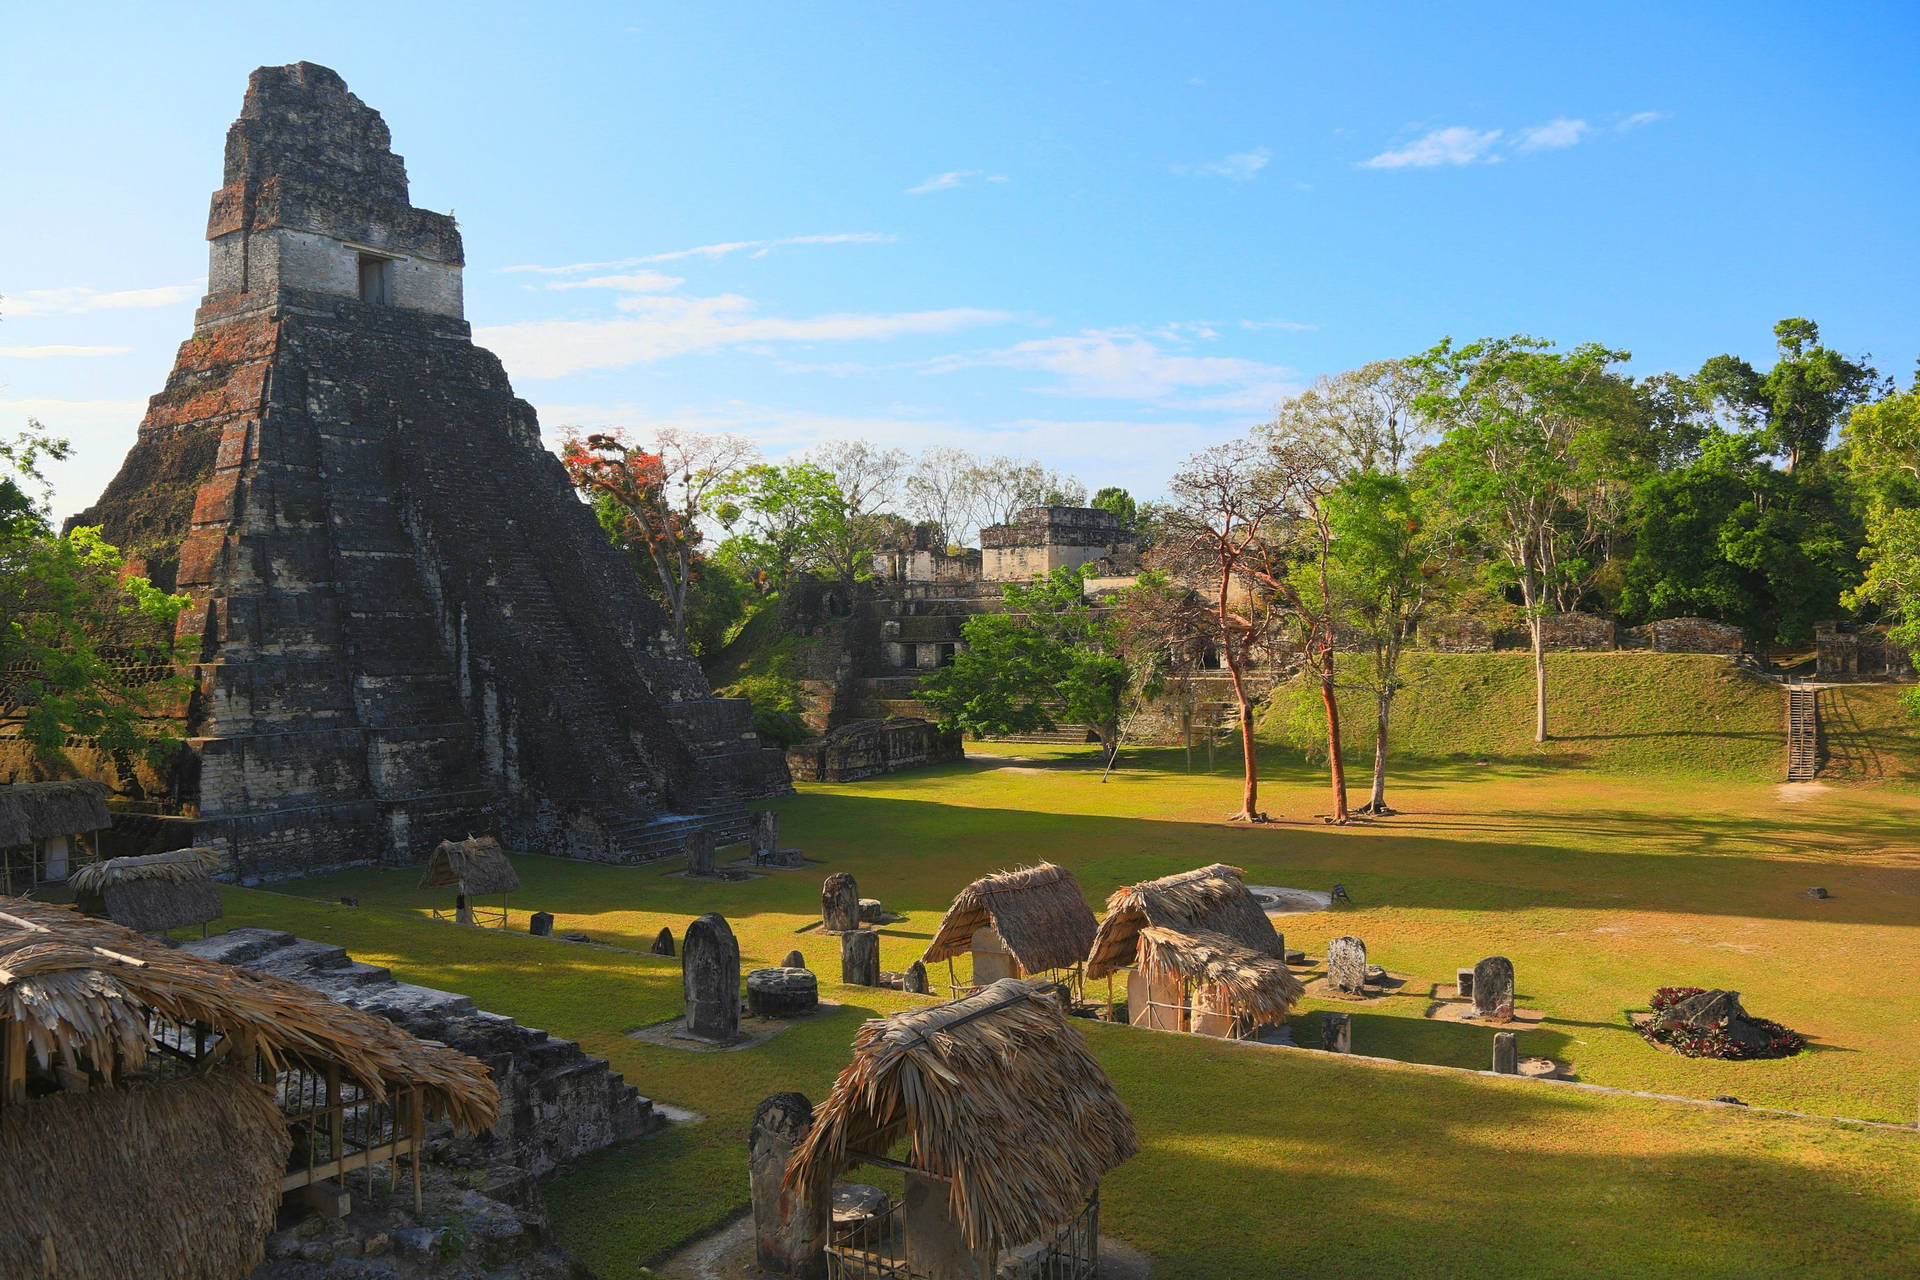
column 174, row 1167
column 32, row 811
column 78, row 989
column 154, row 892
column 159, row 1180
column 1200, row 929
column 1207, row 899
column 1037, row 911
column 998, row 1094
column 475, row 865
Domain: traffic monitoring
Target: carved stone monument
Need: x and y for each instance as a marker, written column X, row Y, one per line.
column 1506, row 1053
column 710, row 976
column 789, row 1234
column 839, row 903
column 1493, row 988
column 1336, row 1031
column 860, row 958
column 1347, row 964
column 794, row 960
column 540, row 924
column 663, row 942
column 916, row 982
column 700, row 852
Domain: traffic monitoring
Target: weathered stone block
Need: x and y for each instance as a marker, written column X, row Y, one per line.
column 663, row 942
column 1506, row 1053
column 782, row 993
column 860, row 958
column 540, row 924
column 1336, row 1031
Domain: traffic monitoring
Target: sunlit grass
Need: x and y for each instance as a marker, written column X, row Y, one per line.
column 1599, row 887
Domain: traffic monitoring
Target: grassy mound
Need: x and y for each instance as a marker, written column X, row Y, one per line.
column 1616, row 712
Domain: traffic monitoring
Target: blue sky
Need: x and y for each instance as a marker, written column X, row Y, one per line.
column 1100, row 235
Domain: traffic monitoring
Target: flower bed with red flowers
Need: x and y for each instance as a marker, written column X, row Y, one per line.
column 1713, row 1042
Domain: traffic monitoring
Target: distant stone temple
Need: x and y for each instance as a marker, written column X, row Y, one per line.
column 408, row 627
column 1041, row 539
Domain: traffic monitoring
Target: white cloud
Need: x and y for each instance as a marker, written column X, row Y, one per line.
column 1456, row 144
column 1553, row 135
column 1291, row 326
column 1238, row 167
column 953, row 178
column 77, row 299
column 662, row 327
column 1126, row 365
column 753, row 248
column 1459, row 144
column 634, row 282
column 56, row 350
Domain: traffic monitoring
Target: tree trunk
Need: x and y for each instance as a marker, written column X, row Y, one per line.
column 1250, row 792
column 1336, row 767
column 1538, row 626
column 1377, row 802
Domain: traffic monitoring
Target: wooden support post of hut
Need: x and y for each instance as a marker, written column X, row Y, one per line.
column 153, row 893
column 42, row 829
column 1008, row 1124
column 474, row 866
column 1203, row 955
column 110, row 1167
column 1016, row 924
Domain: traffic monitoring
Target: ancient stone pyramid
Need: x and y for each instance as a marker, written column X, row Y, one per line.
column 409, row 628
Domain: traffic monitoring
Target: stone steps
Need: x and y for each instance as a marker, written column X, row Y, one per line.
column 557, row 1102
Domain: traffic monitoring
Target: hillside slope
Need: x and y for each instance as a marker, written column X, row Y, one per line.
column 1623, row 712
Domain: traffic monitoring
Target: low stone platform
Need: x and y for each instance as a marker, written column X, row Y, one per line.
column 556, row 1103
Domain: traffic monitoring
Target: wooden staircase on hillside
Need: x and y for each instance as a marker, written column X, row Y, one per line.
column 1803, row 734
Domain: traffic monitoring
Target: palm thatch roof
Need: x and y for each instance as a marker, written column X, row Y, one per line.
column 81, row 987
column 1037, row 911
column 32, row 811
column 177, row 1180
column 1259, row 986
column 154, row 892
column 475, row 864
column 999, row 1095
column 1210, row 899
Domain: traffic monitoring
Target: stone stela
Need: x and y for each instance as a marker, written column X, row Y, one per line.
column 839, row 903
column 1347, row 965
column 710, row 977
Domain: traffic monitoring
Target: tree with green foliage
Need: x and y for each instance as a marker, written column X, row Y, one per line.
column 1734, row 538
column 777, row 517
column 1049, row 658
column 1531, row 458
column 1121, row 504
column 1389, row 562
column 1796, row 405
column 1883, row 447
column 85, row 650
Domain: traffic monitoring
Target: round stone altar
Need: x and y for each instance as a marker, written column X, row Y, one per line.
column 782, row 993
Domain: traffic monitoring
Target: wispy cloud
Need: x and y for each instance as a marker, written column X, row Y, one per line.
column 634, row 282
column 1124, row 364
column 55, row 351
column 77, row 299
column 954, row 178
column 1553, row 135
column 1456, row 144
column 660, row 327
column 752, row 248
column 1462, row 144
column 1291, row 326
column 1238, row 167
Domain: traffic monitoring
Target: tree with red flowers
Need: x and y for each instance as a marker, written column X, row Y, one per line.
column 657, row 497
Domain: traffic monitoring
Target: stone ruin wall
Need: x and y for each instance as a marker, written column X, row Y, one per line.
column 867, row 748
